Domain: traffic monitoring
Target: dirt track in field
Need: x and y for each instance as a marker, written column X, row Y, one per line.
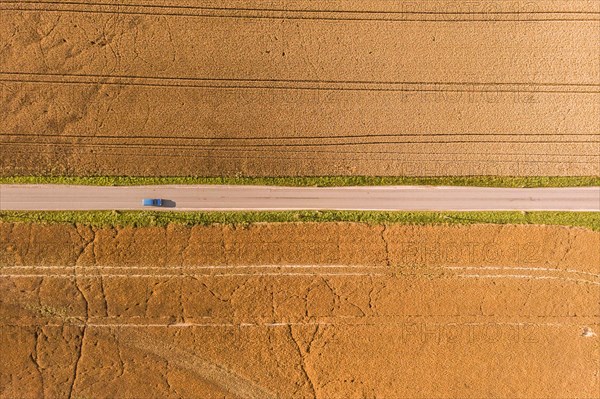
column 299, row 88
column 334, row 310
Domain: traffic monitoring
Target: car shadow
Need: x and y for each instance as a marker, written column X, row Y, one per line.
column 168, row 203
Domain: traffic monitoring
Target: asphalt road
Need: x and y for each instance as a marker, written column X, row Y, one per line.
column 221, row 198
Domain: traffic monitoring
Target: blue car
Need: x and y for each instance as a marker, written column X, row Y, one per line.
column 152, row 202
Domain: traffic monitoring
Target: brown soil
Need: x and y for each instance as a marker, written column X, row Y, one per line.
column 299, row 310
column 299, row 88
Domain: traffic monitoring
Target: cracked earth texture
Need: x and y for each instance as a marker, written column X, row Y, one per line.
column 336, row 310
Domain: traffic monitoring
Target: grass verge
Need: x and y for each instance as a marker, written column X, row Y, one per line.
column 330, row 181
column 590, row 220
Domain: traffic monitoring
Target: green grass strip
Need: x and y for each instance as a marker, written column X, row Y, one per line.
column 331, row 181
column 590, row 220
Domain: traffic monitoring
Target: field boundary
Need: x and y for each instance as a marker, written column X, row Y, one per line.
column 317, row 181
column 589, row 220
